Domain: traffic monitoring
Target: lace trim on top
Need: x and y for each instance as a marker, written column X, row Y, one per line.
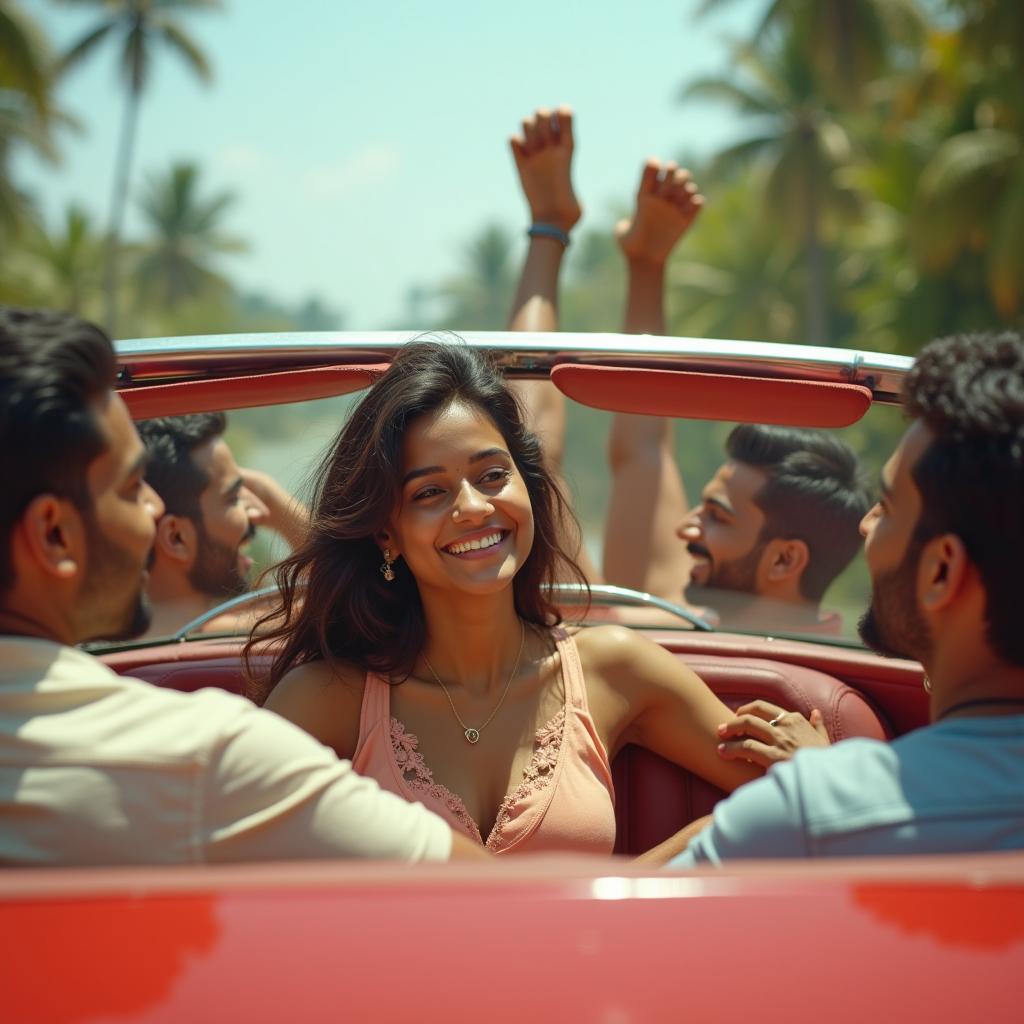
column 537, row 775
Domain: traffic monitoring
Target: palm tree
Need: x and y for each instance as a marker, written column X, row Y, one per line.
column 25, row 62
column 139, row 26
column 849, row 42
column 971, row 200
column 65, row 264
column 27, row 115
column 480, row 298
column 969, row 204
column 594, row 287
column 730, row 278
column 799, row 142
column 175, row 264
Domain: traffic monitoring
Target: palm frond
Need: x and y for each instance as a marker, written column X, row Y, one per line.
column 84, row 47
column 1006, row 250
column 960, row 162
column 181, row 6
column 737, row 158
column 721, row 90
column 187, row 49
column 24, row 59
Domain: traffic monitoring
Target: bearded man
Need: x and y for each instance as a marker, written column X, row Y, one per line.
column 945, row 550
column 212, row 511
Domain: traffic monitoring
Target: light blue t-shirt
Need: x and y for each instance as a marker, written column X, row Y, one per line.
column 953, row 787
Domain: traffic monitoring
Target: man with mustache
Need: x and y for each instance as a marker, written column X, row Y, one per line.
column 212, row 510
column 777, row 522
column 945, row 550
column 775, row 525
column 97, row 768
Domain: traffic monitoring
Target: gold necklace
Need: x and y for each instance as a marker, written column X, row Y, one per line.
column 473, row 735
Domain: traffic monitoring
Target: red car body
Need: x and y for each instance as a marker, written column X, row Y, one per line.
column 534, row 939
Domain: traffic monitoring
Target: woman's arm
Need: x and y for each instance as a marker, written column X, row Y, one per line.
column 661, row 854
column 322, row 701
column 640, row 693
column 648, row 500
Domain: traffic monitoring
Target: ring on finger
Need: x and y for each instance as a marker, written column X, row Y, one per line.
column 778, row 718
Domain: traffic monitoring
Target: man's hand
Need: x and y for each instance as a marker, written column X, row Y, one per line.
column 764, row 734
column 667, row 203
column 543, row 156
column 275, row 507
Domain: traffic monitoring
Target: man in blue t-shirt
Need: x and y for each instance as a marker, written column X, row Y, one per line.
column 945, row 550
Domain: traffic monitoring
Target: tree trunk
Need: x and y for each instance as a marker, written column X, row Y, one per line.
column 118, row 204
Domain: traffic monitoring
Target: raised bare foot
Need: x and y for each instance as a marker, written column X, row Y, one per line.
column 543, row 156
column 667, row 203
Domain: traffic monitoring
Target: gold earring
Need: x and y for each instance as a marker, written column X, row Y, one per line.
column 385, row 570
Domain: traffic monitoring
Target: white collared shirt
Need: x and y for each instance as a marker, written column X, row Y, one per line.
column 96, row 768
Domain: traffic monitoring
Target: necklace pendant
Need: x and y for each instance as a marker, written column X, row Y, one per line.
column 472, row 735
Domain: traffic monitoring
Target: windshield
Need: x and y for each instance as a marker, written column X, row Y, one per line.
column 740, row 547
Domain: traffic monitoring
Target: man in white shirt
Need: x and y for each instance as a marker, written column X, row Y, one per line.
column 100, row 769
column 945, row 550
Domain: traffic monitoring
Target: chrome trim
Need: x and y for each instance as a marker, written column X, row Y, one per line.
column 636, row 598
column 236, row 602
column 523, row 354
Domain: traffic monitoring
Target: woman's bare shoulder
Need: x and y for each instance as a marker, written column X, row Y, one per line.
column 610, row 644
column 629, row 662
column 325, row 699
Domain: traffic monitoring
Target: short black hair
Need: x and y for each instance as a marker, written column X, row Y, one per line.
column 968, row 390
column 815, row 492
column 54, row 367
column 171, row 471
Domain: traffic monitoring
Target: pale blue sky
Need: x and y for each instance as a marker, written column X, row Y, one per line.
column 367, row 141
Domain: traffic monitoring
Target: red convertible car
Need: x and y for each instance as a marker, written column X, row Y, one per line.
column 931, row 939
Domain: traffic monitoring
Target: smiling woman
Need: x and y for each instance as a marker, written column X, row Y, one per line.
column 424, row 646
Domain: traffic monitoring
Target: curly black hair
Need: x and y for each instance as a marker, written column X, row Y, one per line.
column 968, row 390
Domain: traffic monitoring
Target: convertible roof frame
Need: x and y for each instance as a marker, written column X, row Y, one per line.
column 524, row 355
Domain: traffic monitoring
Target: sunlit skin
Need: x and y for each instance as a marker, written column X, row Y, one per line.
column 229, row 509
column 64, row 589
column 460, row 486
column 725, row 526
column 893, row 624
column 889, row 523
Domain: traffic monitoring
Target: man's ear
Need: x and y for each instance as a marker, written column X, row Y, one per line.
column 786, row 559
column 177, row 539
column 942, row 572
column 54, row 536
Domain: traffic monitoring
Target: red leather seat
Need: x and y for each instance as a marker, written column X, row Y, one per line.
column 224, row 673
column 655, row 798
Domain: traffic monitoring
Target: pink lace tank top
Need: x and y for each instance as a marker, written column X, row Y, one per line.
column 565, row 801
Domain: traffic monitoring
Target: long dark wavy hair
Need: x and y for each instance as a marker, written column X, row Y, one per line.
column 334, row 602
